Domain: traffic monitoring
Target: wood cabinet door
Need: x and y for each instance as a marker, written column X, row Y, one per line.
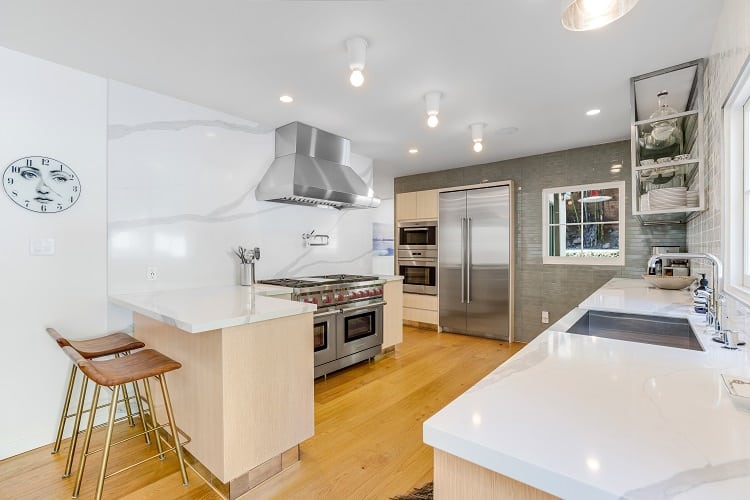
column 427, row 204
column 406, row 206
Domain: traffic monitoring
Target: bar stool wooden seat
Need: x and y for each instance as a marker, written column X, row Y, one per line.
column 115, row 373
column 113, row 344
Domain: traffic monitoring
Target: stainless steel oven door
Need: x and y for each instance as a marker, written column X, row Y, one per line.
column 324, row 336
column 359, row 327
column 420, row 275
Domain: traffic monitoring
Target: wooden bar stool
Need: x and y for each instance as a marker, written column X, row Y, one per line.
column 115, row 373
column 117, row 344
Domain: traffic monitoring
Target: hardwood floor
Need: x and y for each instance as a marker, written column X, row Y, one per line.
column 367, row 443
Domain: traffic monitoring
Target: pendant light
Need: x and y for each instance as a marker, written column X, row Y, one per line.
column 584, row 15
column 432, row 102
column 477, row 131
column 356, row 49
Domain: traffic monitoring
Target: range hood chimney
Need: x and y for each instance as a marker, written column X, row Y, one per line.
column 312, row 167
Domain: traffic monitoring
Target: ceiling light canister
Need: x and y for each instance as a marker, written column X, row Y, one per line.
column 432, row 102
column 356, row 50
column 286, row 99
column 584, row 15
column 477, row 133
column 413, row 151
column 593, row 112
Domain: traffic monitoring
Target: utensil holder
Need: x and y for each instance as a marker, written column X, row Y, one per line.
column 247, row 274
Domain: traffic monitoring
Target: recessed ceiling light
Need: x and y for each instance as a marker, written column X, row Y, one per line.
column 286, row 99
column 593, row 112
column 413, row 151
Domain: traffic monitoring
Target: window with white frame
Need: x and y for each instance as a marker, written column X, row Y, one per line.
column 584, row 224
column 735, row 193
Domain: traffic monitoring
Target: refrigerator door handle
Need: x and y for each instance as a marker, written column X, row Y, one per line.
column 463, row 260
column 468, row 260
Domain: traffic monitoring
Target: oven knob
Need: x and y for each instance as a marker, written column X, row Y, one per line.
column 379, row 292
column 315, row 300
column 324, row 299
column 308, row 300
column 368, row 293
column 340, row 297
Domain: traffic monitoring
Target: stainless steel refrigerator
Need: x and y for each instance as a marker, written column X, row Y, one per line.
column 474, row 251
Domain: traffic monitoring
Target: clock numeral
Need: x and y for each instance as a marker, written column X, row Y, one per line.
column 10, row 180
column 29, row 162
column 14, row 193
column 43, row 208
column 71, row 199
column 75, row 189
column 45, row 161
column 59, row 206
column 27, row 203
column 14, row 169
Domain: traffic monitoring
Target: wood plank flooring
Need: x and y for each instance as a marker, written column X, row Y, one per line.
column 367, row 443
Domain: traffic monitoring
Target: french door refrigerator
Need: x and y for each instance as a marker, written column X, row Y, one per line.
column 474, row 252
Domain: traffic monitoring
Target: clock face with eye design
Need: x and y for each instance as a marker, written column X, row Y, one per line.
column 41, row 184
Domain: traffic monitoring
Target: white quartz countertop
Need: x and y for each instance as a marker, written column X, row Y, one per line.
column 390, row 277
column 202, row 309
column 585, row 417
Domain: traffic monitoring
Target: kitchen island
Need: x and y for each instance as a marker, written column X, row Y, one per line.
column 581, row 417
column 245, row 392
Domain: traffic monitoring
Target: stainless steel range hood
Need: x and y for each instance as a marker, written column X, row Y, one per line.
column 312, row 167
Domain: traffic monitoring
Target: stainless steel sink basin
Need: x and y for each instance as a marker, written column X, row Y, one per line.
column 669, row 332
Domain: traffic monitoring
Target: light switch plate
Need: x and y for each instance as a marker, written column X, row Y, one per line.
column 42, row 246
column 545, row 316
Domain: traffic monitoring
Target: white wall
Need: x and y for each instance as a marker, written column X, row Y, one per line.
column 49, row 110
column 182, row 184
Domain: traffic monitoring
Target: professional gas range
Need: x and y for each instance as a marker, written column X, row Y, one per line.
column 348, row 324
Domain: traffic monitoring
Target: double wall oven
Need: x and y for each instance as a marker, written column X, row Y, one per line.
column 348, row 324
column 417, row 254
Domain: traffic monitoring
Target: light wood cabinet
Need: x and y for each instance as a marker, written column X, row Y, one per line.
column 393, row 313
column 406, row 206
column 421, row 308
column 417, row 205
column 427, row 204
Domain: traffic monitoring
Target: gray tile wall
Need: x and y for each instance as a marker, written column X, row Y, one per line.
column 555, row 288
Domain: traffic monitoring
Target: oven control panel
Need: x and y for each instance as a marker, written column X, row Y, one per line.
column 342, row 295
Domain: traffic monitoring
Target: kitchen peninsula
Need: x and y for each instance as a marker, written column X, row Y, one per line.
column 577, row 416
column 244, row 393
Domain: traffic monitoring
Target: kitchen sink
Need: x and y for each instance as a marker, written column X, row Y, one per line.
column 669, row 332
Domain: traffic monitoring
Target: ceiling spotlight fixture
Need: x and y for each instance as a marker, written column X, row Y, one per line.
column 584, row 15
column 593, row 112
column 477, row 131
column 286, row 99
column 413, row 151
column 356, row 49
column 432, row 100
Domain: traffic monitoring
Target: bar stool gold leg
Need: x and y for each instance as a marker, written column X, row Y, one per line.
column 139, row 404
column 76, row 427
column 107, row 442
column 86, row 441
column 66, row 407
column 152, row 416
column 173, row 428
column 126, row 401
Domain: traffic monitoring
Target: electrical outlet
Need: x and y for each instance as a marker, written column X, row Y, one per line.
column 152, row 273
column 545, row 316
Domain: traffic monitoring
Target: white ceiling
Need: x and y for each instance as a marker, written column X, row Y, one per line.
column 508, row 63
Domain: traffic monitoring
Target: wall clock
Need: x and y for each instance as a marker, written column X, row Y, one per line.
column 41, row 184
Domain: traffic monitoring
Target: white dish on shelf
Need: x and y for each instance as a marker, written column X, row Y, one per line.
column 665, row 159
column 647, row 162
column 682, row 157
column 739, row 390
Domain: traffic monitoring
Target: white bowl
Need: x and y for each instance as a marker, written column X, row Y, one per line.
column 739, row 390
column 665, row 159
column 647, row 162
column 669, row 282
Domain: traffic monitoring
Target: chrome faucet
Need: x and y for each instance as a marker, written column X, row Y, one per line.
column 713, row 316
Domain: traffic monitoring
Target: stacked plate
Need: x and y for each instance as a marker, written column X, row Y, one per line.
column 692, row 199
column 667, row 198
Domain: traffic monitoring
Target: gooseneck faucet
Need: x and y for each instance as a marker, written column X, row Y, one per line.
column 714, row 307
